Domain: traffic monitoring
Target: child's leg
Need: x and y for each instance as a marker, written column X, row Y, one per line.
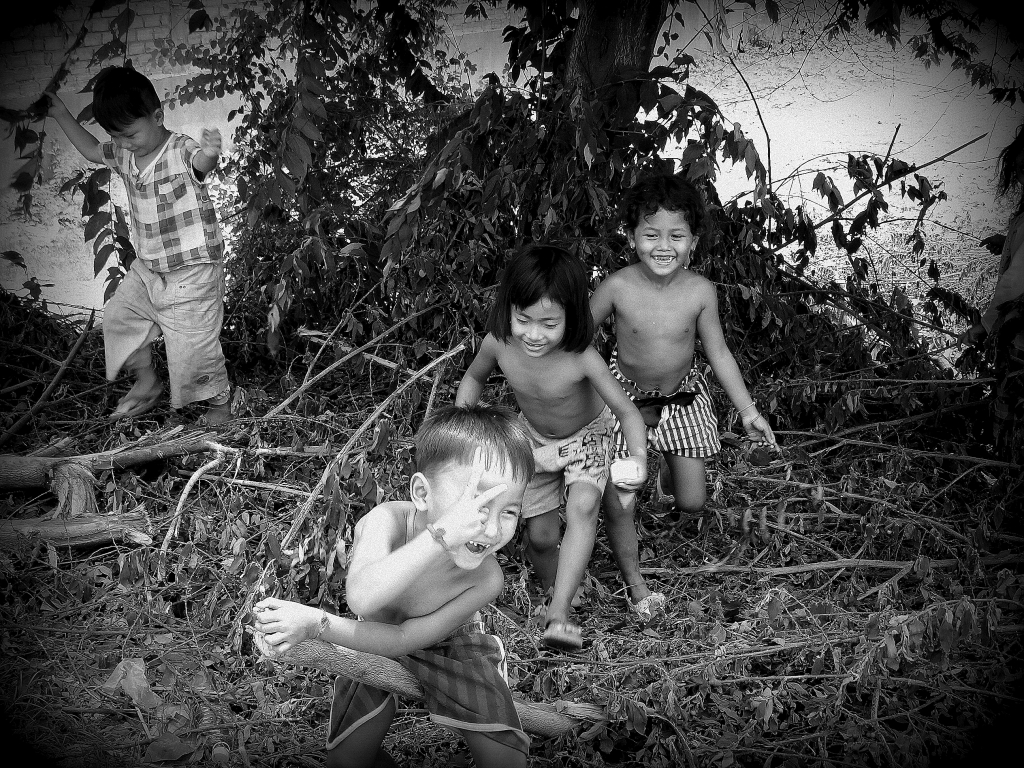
column 362, row 747
column 489, row 753
column 192, row 316
column 620, row 525
column 581, row 510
column 688, row 482
column 129, row 330
column 543, row 533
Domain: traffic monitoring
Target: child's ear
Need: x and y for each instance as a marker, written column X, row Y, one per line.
column 158, row 117
column 419, row 490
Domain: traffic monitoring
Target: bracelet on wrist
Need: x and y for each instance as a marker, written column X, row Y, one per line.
column 747, row 408
column 437, row 534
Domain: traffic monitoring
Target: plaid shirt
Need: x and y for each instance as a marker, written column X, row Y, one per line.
column 173, row 217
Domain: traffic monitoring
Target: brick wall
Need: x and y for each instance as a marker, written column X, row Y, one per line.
column 32, row 55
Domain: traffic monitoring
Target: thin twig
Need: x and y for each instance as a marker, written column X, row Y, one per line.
column 53, row 384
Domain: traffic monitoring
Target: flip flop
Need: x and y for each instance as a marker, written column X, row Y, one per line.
column 562, row 636
column 137, row 407
column 649, row 608
column 661, row 497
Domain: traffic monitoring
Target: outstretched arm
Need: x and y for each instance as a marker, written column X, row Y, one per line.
column 285, row 624
column 630, row 421
column 87, row 144
column 712, row 339
column 475, row 378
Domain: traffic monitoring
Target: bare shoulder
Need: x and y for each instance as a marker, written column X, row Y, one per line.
column 387, row 518
column 490, row 580
column 698, row 285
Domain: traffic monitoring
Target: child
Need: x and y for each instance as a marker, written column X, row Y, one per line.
column 539, row 334
column 176, row 285
column 661, row 309
column 419, row 572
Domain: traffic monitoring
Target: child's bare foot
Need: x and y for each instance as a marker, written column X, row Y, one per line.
column 141, row 398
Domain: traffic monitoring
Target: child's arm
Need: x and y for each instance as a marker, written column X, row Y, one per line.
column 205, row 160
column 285, row 623
column 712, row 339
column 379, row 574
column 602, row 303
column 87, row 144
column 630, row 420
column 473, row 382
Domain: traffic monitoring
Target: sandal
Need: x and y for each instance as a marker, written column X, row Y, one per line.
column 129, row 407
column 660, row 495
column 562, row 636
column 649, row 608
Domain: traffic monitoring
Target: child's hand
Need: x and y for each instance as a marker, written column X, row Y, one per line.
column 555, row 457
column 285, row 624
column 210, row 142
column 55, row 103
column 465, row 521
column 629, row 473
column 757, row 429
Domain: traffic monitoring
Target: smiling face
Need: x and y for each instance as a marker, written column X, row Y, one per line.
column 663, row 242
column 142, row 136
column 441, row 492
column 539, row 328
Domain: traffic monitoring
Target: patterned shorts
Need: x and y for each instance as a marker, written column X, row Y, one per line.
column 591, row 448
column 682, row 430
column 464, row 684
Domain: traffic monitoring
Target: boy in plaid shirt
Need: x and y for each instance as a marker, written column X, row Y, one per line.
column 176, row 285
column 419, row 573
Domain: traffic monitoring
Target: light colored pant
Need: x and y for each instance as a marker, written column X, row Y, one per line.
column 187, row 306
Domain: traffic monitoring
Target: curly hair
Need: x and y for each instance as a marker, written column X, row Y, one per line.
column 668, row 191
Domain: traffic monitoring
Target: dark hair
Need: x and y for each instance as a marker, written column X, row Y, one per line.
column 545, row 270
column 673, row 193
column 122, row 95
column 1008, row 181
column 454, row 432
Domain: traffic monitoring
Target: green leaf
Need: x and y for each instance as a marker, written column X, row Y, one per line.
column 199, row 20
column 97, row 222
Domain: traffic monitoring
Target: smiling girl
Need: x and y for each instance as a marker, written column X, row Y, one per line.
column 539, row 335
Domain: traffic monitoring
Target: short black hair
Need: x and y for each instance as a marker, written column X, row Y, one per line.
column 122, row 95
column 665, row 190
column 545, row 270
column 454, row 432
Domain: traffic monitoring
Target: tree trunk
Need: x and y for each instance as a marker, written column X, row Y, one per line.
column 71, row 478
column 613, row 41
column 85, row 530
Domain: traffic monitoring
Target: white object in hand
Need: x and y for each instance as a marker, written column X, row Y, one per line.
column 624, row 471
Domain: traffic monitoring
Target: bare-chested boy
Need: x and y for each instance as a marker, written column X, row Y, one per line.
column 661, row 309
column 419, row 573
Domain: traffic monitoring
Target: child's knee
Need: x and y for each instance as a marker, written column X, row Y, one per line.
column 543, row 536
column 691, row 501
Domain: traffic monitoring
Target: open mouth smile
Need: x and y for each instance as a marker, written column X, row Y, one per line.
column 476, row 547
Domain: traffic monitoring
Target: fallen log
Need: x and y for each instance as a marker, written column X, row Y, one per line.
column 72, row 478
column 388, row 675
column 85, row 530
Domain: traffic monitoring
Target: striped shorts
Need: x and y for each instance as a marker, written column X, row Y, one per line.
column 690, row 431
column 464, row 684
